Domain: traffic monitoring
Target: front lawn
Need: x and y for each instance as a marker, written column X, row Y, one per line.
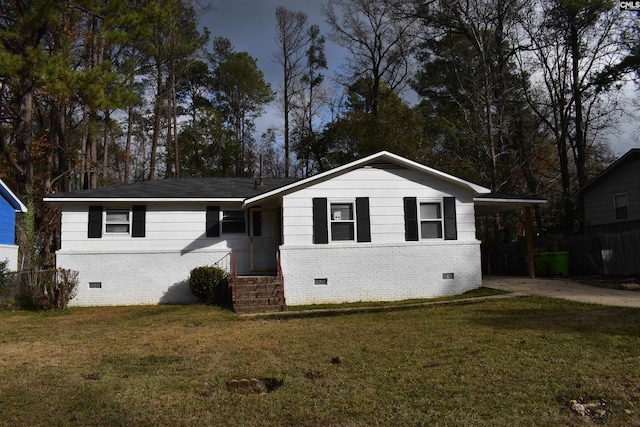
column 503, row 362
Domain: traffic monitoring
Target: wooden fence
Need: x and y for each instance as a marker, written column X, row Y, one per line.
column 620, row 253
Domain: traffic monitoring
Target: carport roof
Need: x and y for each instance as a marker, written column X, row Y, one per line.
column 496, row 202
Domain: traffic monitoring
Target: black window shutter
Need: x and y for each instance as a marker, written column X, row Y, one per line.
column 410, row 219
column 450, row 224
column 257, row 223
column 362, row 216
column 320, row 226
column 95, row 222
column 138, row 228
column 213, row 221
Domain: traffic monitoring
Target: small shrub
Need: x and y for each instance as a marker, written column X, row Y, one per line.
column 209, row 283
column 47, row 289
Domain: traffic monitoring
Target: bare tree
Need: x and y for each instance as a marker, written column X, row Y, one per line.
column 380, row 42
column 472, row 56
column 291, row 39
column 310, row 100
column 571, row 43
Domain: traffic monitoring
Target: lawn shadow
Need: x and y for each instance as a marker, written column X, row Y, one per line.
column 563, row 316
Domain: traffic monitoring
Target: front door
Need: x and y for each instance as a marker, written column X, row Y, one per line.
column 264, row 235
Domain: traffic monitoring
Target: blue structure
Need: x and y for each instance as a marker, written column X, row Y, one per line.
column 9, row 206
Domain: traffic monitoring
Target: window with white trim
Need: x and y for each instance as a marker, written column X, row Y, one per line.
column 117, row 221
column 342, row 221
column 621, row 205
column 430, row 216
column 233, row 222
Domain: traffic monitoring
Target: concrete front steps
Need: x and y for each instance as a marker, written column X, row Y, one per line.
column 257, row 294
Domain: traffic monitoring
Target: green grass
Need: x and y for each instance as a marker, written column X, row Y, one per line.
column 505, row 362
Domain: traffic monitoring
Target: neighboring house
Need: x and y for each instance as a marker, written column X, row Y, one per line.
column 611, row 211
column 9, row 206
column 611, row 200
column 380, row 228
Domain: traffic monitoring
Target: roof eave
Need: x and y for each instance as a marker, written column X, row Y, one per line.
column 488, row 206
column 14, row 201
column 140, row 199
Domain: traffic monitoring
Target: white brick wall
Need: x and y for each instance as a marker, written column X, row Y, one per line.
column 140, row 277
column 379, row 272
column 10, row 253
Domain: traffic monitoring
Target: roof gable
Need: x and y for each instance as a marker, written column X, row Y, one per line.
column 11, row 198
column 383, row 159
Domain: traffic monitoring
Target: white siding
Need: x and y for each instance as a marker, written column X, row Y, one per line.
column 180, row 227
column 379, row 272
column 385, row 189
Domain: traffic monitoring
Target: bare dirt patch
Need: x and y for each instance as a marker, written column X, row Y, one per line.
column 248, row 386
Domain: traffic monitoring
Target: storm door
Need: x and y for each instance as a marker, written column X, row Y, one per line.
column 264, row 236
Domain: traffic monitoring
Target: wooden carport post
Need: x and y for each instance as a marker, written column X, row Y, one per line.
column 528, row 220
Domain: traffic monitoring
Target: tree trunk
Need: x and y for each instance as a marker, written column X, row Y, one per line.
column 25, row 138
column 581, row 162
column 156, row 123
column 240, row 145
column 174, row 103
column 286, row 104
column 93, row 156
column 105, row 143
column 127, row 148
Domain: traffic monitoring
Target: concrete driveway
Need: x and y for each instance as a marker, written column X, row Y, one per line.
column 565, row 289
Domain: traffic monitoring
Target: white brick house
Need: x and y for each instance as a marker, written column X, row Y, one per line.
column 378, row 229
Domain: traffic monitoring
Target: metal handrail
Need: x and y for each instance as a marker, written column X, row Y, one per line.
column 280, row 277
column 224, row 262
column 234, row 275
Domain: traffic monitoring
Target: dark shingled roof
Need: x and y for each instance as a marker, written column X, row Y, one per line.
column 181, row 188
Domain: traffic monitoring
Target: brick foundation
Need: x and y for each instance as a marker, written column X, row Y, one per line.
column 379, row 272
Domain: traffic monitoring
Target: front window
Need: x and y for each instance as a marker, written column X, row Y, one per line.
column 342, row 222
column 233, row 222
column 430, row 221
column 117, row 221
column 621, row 205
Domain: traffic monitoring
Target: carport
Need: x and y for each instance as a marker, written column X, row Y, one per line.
column 495, row 203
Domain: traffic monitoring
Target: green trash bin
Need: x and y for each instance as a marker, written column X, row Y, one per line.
column 560, row 264
column 552, row 264
column 541, row 262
